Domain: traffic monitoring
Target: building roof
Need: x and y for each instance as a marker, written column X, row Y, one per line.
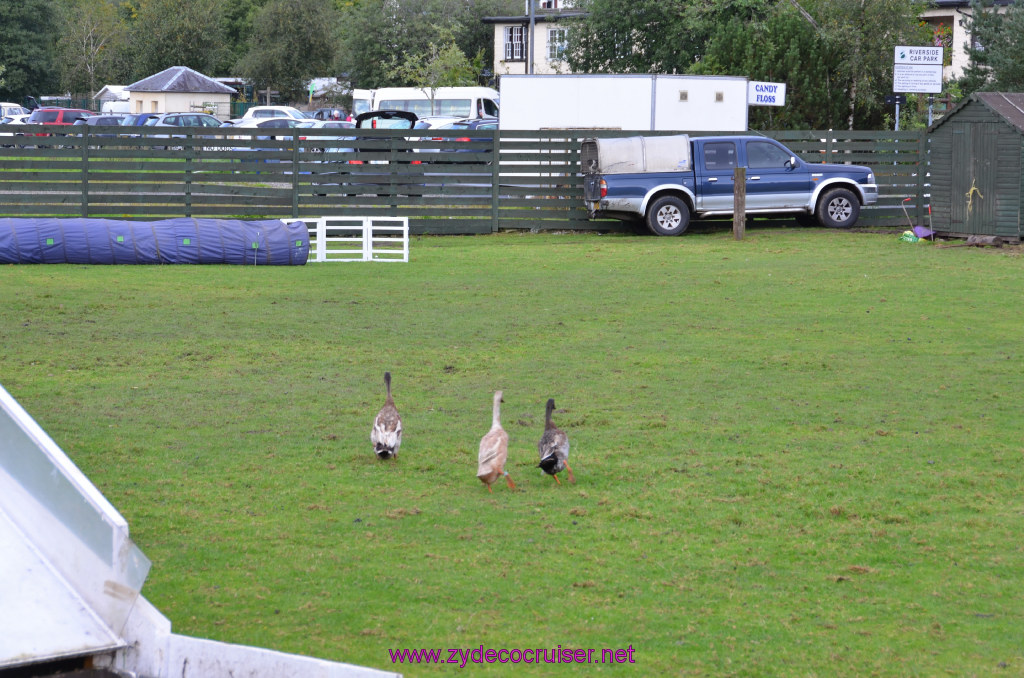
column 1007, row 105
column 112, row 93
column 179, row 79
column 540, row 17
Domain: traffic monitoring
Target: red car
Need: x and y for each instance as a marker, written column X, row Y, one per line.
column 52, row 115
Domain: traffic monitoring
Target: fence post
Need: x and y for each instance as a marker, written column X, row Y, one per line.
column 189, row 152
column 739, row 202
column 922, row 170
column 295, row 173
column 495, row 178
column 85, row 170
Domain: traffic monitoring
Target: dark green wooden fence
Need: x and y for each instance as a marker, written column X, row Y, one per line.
column 447, row 185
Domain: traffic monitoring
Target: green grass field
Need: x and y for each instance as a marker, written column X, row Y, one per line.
column 796, row 455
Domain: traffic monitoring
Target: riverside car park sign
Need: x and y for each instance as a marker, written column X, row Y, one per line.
column 766, row 94
column 917, row 69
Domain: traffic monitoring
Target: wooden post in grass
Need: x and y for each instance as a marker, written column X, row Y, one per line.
column 739, row 202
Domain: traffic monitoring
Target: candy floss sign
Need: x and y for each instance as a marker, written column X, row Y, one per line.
column 766, row 93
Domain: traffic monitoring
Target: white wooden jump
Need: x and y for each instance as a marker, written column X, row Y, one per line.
column 358, row 238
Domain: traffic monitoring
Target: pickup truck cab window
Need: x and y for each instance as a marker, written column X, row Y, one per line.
column 720, row 155
column 764, row 155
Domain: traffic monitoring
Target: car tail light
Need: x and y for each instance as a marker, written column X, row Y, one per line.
column 604, row 188
column 355, row 162
column 416, row 162
column 463, row 139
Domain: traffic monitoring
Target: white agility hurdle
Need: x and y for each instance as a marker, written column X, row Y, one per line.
column 359, row 239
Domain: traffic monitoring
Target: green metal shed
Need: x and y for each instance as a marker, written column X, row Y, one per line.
column 977, row 167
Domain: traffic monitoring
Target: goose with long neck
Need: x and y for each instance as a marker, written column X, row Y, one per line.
column 554, row 447
column 386, row 434
column 494, row 450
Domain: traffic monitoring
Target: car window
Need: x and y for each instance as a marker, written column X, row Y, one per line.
column 763, row 155
column 720, row 155
column 490, row 109
column 207, row 121
column 45, row 116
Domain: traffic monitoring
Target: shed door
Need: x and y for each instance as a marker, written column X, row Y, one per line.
column 975, row 147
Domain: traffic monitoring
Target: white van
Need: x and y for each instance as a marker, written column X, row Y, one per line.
column 8, row 109
column 455, row 102
column 362, row 101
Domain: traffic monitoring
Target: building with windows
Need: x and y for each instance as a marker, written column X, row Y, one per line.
column 513, row 36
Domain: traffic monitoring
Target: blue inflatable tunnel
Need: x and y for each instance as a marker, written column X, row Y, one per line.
column 169, row 241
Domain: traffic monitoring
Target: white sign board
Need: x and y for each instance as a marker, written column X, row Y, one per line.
column 924, row 56
column 917, row 69
column 766, row 93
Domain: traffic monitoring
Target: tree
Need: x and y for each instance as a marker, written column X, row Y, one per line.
column 293, row 42
column 374, row 33
column 861, row 35
column 650, row 36
column 27, row 39
column 783, row 48
column 995, row 51
column 179, row 33
column 89, row 45
column 441, row 65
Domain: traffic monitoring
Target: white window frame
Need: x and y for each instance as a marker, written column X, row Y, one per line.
column 557, row 38
column 515, row 43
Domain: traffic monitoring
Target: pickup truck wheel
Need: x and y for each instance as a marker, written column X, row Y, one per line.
column 668, row 216
column 838, row 208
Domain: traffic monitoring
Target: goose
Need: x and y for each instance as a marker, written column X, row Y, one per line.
column 386, row 434
column 494, row 450
column 554, row 447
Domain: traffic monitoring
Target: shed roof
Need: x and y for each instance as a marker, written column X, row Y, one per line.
column 179, row 79
column 112, row 93
column 1007, row 105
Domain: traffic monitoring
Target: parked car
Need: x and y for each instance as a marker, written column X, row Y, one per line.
column 387, row 119
column 19, row 119
column 100, row 121
column 335, row 160
column 328, row 125
column 182, row 120
column 137, row 119
column 53, row 115
column 463, row 144
column 275, row 112
column 272, row 125
column 330, row 114
column 8, row 109
column 667, row 180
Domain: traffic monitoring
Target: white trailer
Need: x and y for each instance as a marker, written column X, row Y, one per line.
column 683, row 103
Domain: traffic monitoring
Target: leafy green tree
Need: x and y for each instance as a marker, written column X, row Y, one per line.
column 374, row 33
column 995, row 52
column 27, row 38
column 179, row 33
column 861, row 35
column 293, row 41
column 238, row 18
column 783, row 48
column 442, row 65
column 91, row 39
column 650, row 36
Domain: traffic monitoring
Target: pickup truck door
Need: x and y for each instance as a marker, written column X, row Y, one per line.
column 773, row 182
column 716, row 162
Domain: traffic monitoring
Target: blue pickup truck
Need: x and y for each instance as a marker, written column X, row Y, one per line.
column 666, row 180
